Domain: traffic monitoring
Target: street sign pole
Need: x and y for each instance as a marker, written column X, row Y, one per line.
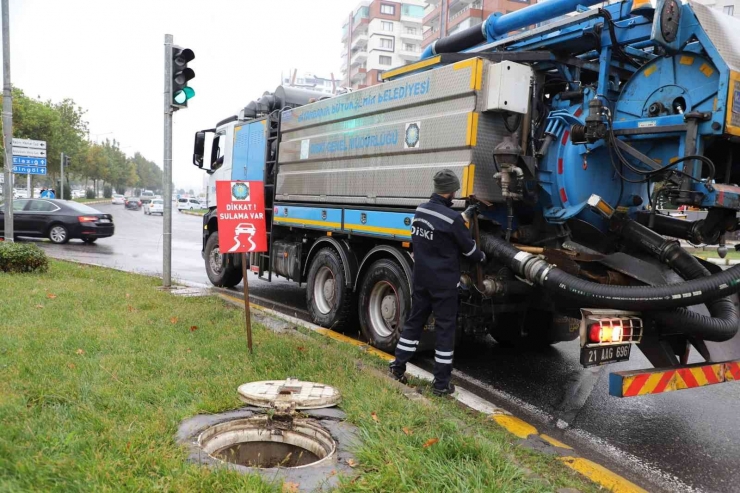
column 247, row 314
column 167, row 220
column 61, row 165
column 7, row 123
column 28, row 186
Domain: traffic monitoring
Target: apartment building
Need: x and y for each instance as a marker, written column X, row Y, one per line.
column 729, row 7
column 445, row 17
column 379, row 35
column 308, row 80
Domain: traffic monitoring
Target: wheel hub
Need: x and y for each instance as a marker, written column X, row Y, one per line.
column 388, row 308
column 329, row 290
column 216, row 261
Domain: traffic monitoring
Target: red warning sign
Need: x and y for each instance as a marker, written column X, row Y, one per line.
column 241, row 216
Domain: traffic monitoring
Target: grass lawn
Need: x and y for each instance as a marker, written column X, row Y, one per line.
column 731, row 253
column 98, row 368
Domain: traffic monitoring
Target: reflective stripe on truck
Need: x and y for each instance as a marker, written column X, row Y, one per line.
column 642, row 382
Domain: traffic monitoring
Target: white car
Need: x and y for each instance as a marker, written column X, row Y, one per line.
column 77, row 194
column 187, row 204
column 203, row 204
column 117, row 199
column 20, row 193
column 156, row 206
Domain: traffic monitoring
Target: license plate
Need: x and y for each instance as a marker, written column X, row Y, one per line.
column 603, row 355
column 104, row 220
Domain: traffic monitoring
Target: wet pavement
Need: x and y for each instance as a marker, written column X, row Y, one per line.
column 681, row 441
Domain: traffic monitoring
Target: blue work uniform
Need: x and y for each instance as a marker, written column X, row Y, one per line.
column 440, row 238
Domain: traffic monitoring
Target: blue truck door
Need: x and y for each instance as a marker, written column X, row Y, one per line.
column 248, row 157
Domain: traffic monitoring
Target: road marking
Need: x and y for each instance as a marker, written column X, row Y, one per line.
column 600, row 475
column 518, row 427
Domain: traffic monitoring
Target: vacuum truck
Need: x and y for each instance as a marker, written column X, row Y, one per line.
column 565, row 137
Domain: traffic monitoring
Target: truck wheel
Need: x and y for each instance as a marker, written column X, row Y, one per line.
column 328, row 297
column 223, row 276
column 385, row 302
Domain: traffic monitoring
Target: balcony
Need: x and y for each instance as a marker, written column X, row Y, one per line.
column 432, row 16
column 358, row 57
column 357, row 74
column 410, row 55
column 406, row 36
column 429, row 36
column 360, row 24
column 359, row 39
column 473, row 10
column 458, row 7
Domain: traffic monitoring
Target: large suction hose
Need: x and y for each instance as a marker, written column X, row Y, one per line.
column 640, row 298
column 497, row 25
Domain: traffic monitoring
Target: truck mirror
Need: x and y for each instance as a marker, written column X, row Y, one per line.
column 198, row 149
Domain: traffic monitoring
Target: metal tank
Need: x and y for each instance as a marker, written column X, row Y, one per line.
column 382, row 145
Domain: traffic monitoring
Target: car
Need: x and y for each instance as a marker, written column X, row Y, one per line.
column 132, row 203
column 58, row 220
column 20, row 193
column 203, row 204
column 156, row 206
column 187, row 204
column 117, row 199
column 77, row 194
column 147, row 193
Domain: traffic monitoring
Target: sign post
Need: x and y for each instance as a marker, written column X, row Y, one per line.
column 241, row 227
column 29, row 158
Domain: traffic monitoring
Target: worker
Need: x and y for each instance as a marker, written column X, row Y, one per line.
column 439, row 237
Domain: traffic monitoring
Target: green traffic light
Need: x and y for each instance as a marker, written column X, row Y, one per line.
column 183, row 95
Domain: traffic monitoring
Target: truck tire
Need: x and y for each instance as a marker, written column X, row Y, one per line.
column 328, row 297
column 223, row 276
column 384, row 302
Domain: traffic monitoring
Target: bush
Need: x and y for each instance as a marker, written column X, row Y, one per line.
column 107, row 191
column 22, row 257
column 89, row 193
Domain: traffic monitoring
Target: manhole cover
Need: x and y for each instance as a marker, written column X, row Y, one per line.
column 305, row 395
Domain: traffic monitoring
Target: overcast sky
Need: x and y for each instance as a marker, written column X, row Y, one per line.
column 108, row 56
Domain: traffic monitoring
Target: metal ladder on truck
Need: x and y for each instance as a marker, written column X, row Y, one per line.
column 270, row 172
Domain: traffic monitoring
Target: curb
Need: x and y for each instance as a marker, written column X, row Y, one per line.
column 517, row 427
column 189, row 213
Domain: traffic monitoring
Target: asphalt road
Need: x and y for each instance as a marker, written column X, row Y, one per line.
column 680, row 441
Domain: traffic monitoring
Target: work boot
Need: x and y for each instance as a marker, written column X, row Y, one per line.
column 448, row 391
column 397, row 375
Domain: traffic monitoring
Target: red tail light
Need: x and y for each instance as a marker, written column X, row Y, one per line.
column 87, row 219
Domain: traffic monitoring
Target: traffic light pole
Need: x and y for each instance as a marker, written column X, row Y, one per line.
column 7, row 124
column 61, row 166
column 167, row 222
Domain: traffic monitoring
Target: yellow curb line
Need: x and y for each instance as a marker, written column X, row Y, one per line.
column 517, row 427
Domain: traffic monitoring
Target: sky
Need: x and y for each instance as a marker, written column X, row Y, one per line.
column 108, row 55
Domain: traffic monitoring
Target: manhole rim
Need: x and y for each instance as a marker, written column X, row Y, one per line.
column 216, row 433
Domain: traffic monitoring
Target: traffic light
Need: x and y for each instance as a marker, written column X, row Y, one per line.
column 181, row 74
column 67, row 161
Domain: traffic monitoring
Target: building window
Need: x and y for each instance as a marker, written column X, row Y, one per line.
column 385, row 60
column 729, row 9
column 387, row 9
column 411, row 30
column 386, row 26
column 410, row 47
column 412, row 11
column 386, row 43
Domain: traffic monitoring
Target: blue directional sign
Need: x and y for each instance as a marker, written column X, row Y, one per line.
column 29, row 161
column 30, row 170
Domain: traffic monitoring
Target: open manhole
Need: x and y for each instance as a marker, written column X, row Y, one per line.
column 262, row 442
column 278, row 438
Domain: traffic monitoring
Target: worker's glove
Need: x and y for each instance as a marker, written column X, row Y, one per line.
column 484, row 259
column 470, row 212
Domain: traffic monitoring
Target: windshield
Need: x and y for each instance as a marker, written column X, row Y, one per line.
column 157, row 202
